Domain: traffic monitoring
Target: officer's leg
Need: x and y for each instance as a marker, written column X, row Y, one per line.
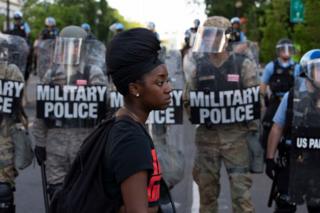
column 235, row 155
column 7, row 172
column 283, row 204
column 57, row 161
column 6, row 198
column 206, row 171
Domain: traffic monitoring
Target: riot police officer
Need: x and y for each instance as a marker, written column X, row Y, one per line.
column 50, row 31
column 87, row 28
column 9, row 73
column 152, row 27
column 58, row 138
column 216, row 70
column 190, row 34
column 279, row 76
column 116, row 28
column 296, row 125
column 20, row 27
column 236, row 34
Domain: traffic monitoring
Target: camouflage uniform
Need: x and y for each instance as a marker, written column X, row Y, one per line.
column 223, row 143
column 8, row 171
column 62, row 144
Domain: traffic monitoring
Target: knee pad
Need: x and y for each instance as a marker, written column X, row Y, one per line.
column 283, row 205
column 6, row 198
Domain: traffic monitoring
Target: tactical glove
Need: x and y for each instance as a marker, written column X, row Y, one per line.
column 41, row 154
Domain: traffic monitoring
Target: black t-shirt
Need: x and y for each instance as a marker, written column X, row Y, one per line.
column 130, row 150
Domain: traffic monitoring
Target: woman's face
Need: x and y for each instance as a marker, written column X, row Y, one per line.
column 155, row 89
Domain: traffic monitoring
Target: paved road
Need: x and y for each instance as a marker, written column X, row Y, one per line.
column 29, row 192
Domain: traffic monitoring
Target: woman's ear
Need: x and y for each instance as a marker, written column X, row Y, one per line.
column 134, row 89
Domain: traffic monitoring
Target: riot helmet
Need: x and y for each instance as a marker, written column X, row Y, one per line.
column 285, row 48
column 310, row 65
column 212, row 37
column 17, row 15
column 116, row 27
column 196, row 23
column 151, row 26
column 69, row 45
column 50, row 22
column 86, row 27
column 235, row 22
column 69, row 49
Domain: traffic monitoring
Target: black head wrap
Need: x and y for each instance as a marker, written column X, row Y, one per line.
column 130, row 55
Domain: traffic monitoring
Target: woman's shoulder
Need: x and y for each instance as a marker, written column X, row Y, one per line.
column 125, row 129
column 127, row 125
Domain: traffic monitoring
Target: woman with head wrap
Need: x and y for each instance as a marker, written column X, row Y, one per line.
column 131, row 169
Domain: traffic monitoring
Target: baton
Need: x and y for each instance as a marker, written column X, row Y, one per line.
column 44, row 187
column 273, row 190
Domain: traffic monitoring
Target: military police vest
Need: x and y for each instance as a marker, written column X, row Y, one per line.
column 226, row 77
column 282, row 78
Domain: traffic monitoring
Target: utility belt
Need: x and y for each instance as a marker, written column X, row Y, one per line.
column 210, row 126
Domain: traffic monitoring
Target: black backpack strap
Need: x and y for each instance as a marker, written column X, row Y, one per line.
column 167, row 199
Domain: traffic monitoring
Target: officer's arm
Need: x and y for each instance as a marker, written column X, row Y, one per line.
column 97, row 77
column 273, row 140
column 249, row 73
column 263, row 88
column 189, row 69
column 277, row 129
column 39, row 131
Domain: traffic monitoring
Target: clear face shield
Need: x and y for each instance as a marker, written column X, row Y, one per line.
column 285, row 50
column 210, row 40
column 313, row 70
column 67, row 51
column 67, row 54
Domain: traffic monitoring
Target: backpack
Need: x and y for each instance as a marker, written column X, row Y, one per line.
column 82, row 190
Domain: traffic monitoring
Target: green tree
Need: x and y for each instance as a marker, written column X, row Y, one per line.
column 277, row 26
column 307, row 34
column 97, row 13
column 228, row 8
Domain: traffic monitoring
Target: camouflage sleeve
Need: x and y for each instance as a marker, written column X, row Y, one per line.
column 14, row 73
column 189, row 85
column 250, row 78
column 39, row 131
column 97, row 77
column 249, row 73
